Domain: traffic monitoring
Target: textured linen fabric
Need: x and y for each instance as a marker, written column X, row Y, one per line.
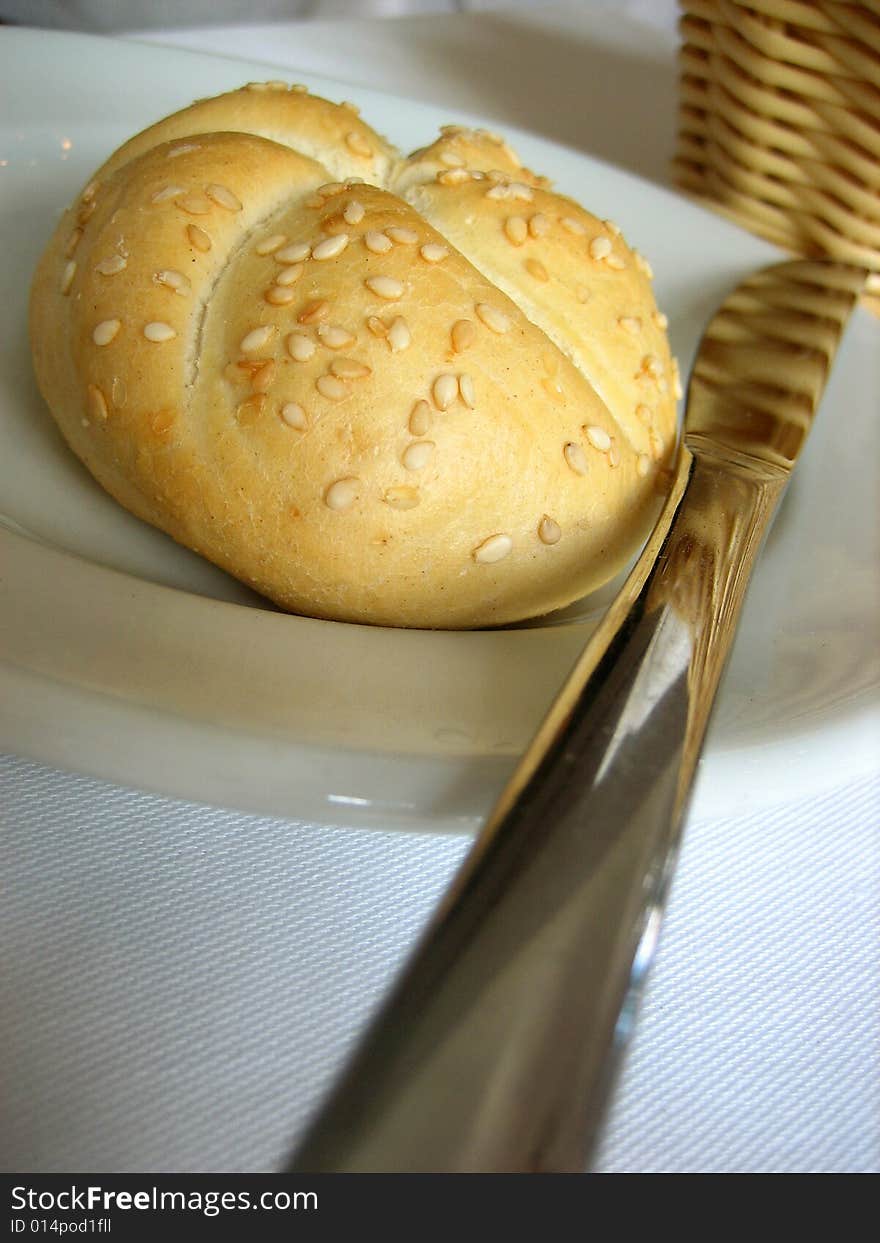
column 758, row 1044
column 179, row 984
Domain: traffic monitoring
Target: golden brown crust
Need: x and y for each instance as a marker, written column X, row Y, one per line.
column 390, row 405
column 333, row 134
column 458, row 147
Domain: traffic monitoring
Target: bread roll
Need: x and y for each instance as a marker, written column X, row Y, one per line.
column 411, row 392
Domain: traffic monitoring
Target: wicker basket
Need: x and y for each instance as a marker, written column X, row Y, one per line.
column 780, row 121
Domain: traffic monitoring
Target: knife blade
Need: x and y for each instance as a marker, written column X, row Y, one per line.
column 496, row 1049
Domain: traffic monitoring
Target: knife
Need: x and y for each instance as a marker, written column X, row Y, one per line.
column 496, row 1050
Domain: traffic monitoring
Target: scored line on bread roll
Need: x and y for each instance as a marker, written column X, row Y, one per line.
column 423, row 392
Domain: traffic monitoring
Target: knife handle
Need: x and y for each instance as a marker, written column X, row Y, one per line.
column 492, row 1052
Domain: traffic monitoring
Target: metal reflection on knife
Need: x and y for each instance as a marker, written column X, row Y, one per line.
column 493, row 1051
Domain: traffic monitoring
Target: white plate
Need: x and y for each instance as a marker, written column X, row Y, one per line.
column 127, row 657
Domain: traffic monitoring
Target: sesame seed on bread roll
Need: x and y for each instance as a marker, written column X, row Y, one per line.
column 425, row 392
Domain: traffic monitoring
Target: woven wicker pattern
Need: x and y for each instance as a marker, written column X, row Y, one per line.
column 780, row 120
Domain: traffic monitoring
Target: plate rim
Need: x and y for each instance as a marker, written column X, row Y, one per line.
column 486, row 769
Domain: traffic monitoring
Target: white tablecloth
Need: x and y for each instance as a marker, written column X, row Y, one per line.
column 180, row 983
